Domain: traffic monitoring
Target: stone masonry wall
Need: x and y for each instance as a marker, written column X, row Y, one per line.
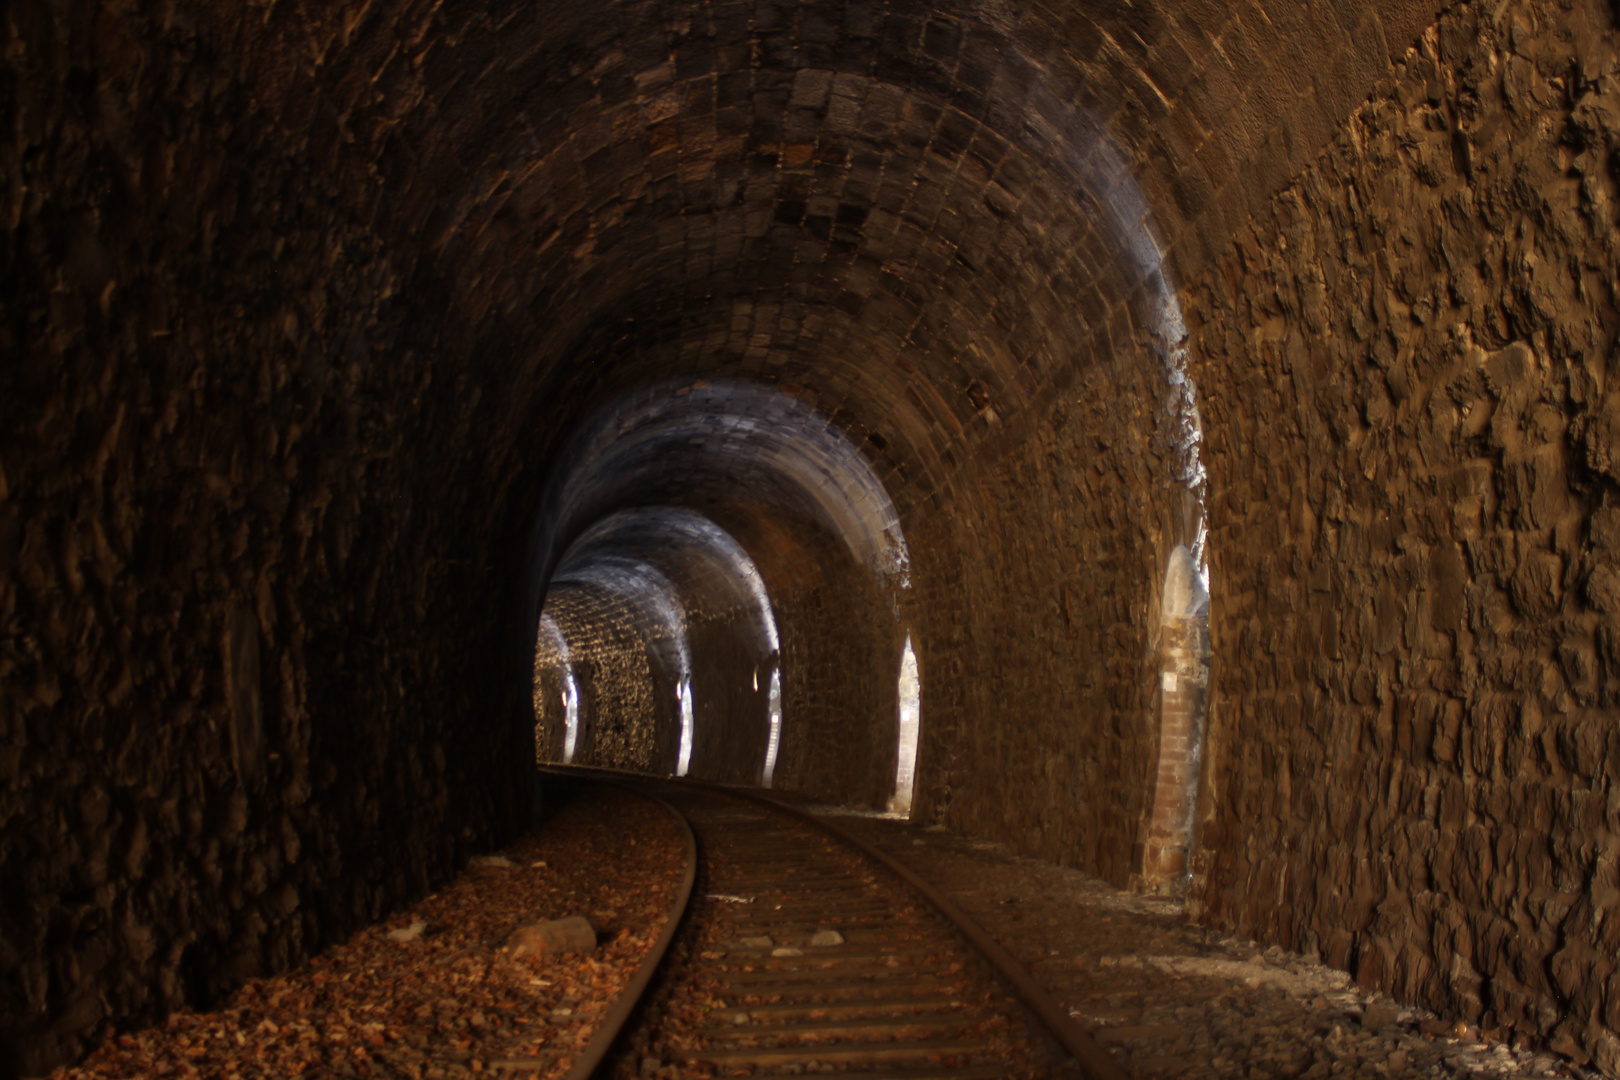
column 244, row 645
column 731, row 691
column 840, row 663
column 628, row 718
column 1409, row 376
column 1038, row 610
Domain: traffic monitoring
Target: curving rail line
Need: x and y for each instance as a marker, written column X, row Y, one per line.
column 805, row 950
column 590, row 1059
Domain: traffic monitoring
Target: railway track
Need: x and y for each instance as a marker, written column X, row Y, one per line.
column 803, row 951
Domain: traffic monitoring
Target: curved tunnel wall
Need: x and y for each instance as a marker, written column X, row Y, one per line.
column 307, row 302
column 1411, row 364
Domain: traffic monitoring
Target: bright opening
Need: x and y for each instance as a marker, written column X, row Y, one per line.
column 564, row 661
column 905, row 770
column 775, row 708
column 683, row 694
column 570, row 697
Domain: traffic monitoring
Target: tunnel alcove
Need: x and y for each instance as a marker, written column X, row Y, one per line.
column 361, row 361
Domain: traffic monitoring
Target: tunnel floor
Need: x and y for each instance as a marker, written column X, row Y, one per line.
column 432, row 993
column 1176, row 1001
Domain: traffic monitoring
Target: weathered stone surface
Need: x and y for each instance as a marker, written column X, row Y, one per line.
column 1407, row 366
column 226, row 734
column 407, row 934
column 1040, row 663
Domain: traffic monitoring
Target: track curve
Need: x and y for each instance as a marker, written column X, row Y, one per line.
column 802, row 950
column 590, row 1059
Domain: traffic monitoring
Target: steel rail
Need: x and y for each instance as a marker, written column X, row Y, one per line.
column 607, row 1032
column 1094, row 1062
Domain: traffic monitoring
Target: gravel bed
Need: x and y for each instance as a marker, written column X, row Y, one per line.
column 432, row 992
column 1175, row 1000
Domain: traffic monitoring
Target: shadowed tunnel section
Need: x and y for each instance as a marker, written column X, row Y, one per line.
column 392, row 392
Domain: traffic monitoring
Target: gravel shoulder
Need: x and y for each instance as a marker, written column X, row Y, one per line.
column 432, row 992
column 1178, row 1001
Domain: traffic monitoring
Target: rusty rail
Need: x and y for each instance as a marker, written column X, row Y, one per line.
column 1093, row 1061
column 607, row 1032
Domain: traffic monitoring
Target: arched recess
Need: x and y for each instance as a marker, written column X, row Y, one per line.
column 909, row 712
column 777, row 513
column 1181, row 630
column 1183, row 678
column 1178, row 629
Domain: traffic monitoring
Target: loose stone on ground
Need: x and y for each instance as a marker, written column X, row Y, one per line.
column 1175, row 1001
column 433, row 992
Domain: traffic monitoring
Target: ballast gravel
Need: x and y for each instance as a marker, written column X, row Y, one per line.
column 432, row 993
column 1176, row 1001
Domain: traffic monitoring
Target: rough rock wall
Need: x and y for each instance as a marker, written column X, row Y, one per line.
column 241, row 677
column 1039, row 585
column 1406, row 367
column 550, row 711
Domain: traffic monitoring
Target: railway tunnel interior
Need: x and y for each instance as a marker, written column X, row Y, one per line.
column 1205, row 405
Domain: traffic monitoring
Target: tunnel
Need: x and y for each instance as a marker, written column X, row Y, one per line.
column 1171, row 439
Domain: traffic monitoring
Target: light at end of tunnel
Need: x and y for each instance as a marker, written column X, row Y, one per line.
column 570, row 696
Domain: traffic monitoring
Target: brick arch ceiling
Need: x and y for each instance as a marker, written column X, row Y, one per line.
column 708, row 444
column 920, row 217
column 919, row 221
column 706, row 569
